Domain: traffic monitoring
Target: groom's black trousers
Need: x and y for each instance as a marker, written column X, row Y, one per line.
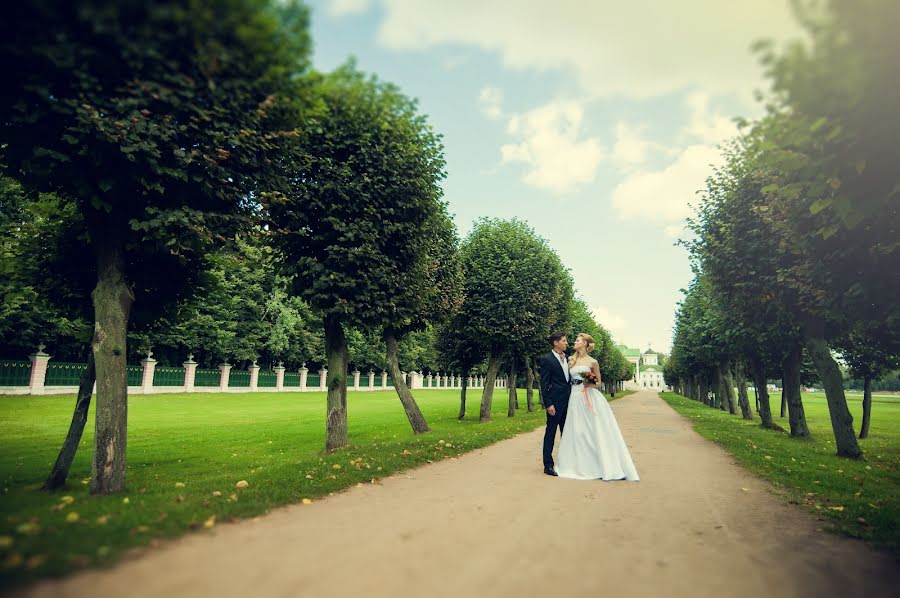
column 553, row 422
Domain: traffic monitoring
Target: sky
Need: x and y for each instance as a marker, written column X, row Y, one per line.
column 595, row 121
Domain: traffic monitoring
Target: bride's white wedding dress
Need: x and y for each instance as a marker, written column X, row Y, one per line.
column 592, row 447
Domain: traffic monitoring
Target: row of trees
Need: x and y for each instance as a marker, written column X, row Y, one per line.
column 796, row 246
column 234, row 200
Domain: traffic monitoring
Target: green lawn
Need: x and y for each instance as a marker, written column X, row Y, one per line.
column 857, row 498
column 186, row 453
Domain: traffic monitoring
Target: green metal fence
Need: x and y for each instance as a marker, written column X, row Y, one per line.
column 312, row 380
column 364, row 381
column 165, row 376
column 135, row 374
column 239, row 379
column 61, row 373
column 267, row 379
column 292, row 379
column 207, row 378
column 349, row 380
column 15, row 373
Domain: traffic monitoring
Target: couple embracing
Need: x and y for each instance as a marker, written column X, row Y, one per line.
column 591, row 445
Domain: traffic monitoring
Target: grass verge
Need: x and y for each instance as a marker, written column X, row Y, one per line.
column 855, row 498
column 186, row 455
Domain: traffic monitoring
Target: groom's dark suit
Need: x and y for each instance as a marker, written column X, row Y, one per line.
column 555, row 391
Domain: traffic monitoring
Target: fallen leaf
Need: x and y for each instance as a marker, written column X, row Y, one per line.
column 67, row 500
column 836, row 508
column 103, row 520
column 210, row 523
column 13, row 560
column 6, row 542
column 125, row 501
column 242, row 484
column 72, row 517
column 35, row 561
column 216, row 493
column 308, row 477
column 179, row 484
column 28, row 528
column 746, row 489
column 336, row 466
column 306, row 501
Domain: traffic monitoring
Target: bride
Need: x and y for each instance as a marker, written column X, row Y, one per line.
column 592, row 446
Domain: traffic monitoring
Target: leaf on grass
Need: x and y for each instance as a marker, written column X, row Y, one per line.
column 210, row 523
column 242, row 484
column 72, row 517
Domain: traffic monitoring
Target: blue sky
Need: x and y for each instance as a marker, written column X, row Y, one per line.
column 595, row 122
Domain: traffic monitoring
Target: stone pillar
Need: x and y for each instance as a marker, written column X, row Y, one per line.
column 190, row 373
column 224, row 374
column 452, row 380
column 323, row 379
column 279, row 376
column 355, row 379
column 446, row 381
column 39, row 362
column 480, row 381
column 383, row 380
column 428, row 380
column 371, row 380
column 254, row 376
column 304, row 374
column 149, row 366
column 413, row 379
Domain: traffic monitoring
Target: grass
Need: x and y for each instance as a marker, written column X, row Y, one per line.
column 186, row 453
column 856, row 498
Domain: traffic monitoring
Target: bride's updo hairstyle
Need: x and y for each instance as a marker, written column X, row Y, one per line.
column 589, row 345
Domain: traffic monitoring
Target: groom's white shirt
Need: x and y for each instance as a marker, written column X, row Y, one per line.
column 562, row 363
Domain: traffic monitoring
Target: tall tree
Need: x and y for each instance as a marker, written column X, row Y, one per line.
column 353, row 225
column 155, row 118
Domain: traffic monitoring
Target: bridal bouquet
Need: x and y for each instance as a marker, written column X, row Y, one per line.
column 590, row 377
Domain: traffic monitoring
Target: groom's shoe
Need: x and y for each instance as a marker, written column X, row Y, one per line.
column 549, row 471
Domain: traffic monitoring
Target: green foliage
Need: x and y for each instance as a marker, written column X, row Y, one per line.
column 363, row 198
column 515, row 289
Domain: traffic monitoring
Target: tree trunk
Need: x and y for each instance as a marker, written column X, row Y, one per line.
column 790, row 389
column 529, row 385
column 704, row 391
column 743, row 398
column 535, row 376
column 487, row 396
column 462, row 398
column 762, row 393
column 60, row 472
column 721, row 393
column 511, row 388
column 830, row 374
column 867, row 407
column 112, row 300
column 783, row 396
column 728, row 386
column 413, row 413
column 336, row 383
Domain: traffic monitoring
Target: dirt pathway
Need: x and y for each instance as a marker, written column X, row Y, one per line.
column 491, row 523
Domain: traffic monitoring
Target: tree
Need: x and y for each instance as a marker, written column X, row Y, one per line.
column 513, row 286
column 869, row 360
column 362, row 196
column 155, row 119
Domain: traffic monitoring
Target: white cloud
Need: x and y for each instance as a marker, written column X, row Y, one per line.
column 550, row 141
column 343, row 8
column 490, row 100
column 615, row 48
column 631, row 149
column 614, row 323
column 663, row 196
column 709, row 127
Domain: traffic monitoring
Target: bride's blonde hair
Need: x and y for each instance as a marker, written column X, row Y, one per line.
column 589, row 342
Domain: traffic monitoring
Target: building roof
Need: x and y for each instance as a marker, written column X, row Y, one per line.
column 651, row 367
column 628, row 351
column 650, row 352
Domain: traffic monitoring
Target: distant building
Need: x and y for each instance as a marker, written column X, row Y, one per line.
column 648, row 373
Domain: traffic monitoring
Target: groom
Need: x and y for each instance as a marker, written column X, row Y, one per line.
column 555, row 392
